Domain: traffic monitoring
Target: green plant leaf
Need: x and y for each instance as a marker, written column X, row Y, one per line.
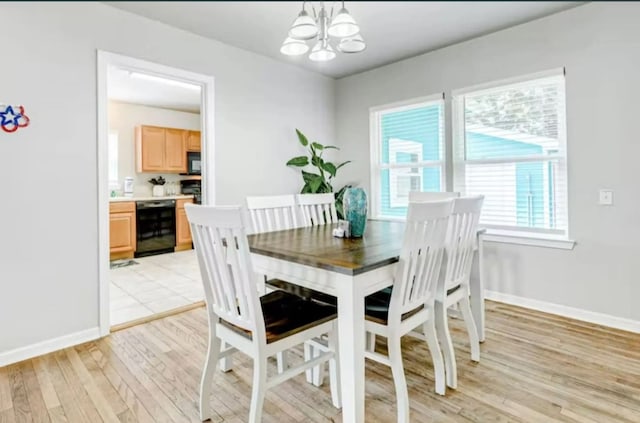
column 299, row 161
column 327, row 147
column 308, row 176
column 317, row 146
column 303, row 140
column 315, row 185
column 317, row 161
column 340, row 201
column 342, row 164
column 330, row 167
column 306, row 189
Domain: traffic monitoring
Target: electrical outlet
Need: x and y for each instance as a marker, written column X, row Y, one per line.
column 606, row 197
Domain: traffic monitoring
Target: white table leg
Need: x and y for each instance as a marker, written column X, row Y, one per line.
column 477, row 288
column 352, row 342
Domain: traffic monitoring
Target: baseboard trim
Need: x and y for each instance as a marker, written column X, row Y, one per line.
column 45, row 347
column 565, row 311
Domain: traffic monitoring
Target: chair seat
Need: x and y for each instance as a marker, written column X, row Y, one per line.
column 303, row 292
column 377, row 305
column 286, row 314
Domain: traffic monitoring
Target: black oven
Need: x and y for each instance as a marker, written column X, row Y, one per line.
column 194, row 164
column 155, row 227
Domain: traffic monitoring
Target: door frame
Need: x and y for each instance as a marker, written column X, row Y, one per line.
column 206, row 82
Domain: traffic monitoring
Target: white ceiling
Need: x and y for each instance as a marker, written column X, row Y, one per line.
column 121, row 86
column 393, row 30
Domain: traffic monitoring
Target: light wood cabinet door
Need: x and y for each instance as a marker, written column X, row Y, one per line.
column 194, row 141
column 151, row 149
column 183, row 231
column 175, row 153
column 122, row 230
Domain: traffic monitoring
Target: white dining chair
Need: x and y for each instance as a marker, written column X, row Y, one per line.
column 273, row 213
column 268, row 214
column 410, row 304
column 421, row 196
column 257, row 326
column 454, row 284
column 317, row 209
column 418, row 197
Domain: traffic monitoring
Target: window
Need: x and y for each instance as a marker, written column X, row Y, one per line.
column 407, row 146
column 510, row 146
column 113, row 159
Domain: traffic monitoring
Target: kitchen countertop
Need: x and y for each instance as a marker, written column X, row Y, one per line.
column 166, row 197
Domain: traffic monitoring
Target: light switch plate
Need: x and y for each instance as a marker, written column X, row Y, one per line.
column 606, row 197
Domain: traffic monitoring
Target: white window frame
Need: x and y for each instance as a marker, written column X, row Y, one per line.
column 375, row 144
column 529, row 236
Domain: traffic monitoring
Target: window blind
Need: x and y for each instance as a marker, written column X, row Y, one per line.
column 510, row 146
column 407, row 154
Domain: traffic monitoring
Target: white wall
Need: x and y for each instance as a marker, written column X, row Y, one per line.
column 123, row 119
column 598, row 43
column 48, row 218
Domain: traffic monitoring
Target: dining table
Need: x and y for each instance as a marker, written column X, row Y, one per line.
column 349, row 269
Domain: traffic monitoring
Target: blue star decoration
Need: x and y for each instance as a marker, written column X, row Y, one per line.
column 10, row 120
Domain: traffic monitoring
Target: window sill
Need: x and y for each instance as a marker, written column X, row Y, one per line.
column 509, row 237
column 520, row 238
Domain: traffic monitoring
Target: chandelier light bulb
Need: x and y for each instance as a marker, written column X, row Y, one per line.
column 322, row 52
column 343, row 25
column 304, row 27
column 293, row 47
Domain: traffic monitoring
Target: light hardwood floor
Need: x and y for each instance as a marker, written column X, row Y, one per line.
column 534, row 367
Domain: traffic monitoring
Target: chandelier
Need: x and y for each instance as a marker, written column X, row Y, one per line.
column 322, row 30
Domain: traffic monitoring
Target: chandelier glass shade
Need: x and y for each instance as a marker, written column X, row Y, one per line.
column 322, row 30
column 304, row 27
column 353, row 44
column 293, row 47
column 322, row 52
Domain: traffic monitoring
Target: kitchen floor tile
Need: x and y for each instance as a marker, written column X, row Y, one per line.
column 124, row 302
column 156, row 284
column 128, row 314
column 167, row 304
column 153, row 295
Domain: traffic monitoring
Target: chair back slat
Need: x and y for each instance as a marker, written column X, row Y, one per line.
column 422, row 196
column 223, row 254
column 461, row 240
column 317, row 209
column 421, row 257
column 273, row 213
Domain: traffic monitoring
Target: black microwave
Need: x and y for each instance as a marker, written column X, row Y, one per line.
column 194, row 164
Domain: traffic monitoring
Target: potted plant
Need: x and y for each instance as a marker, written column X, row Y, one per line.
column 319, row 180
column 158, row 186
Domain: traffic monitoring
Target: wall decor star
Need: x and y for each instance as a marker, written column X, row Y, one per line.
column 12, row 119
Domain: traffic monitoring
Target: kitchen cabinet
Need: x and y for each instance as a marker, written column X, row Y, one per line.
column 150, row 147
column 122, row 229
column 161, row 149
column 194, row 142
column 175, row 153
column 183, row 230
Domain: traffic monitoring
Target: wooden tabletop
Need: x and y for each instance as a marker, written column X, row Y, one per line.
column 316, row 246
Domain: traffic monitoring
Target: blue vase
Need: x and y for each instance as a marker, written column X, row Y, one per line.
column 355, row 210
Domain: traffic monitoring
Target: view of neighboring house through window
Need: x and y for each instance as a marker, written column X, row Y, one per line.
column 407, row 143
column 510, row 146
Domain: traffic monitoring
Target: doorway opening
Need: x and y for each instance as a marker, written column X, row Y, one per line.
column 155, row 147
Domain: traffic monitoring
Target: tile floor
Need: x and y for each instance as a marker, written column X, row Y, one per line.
column 158, row 283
